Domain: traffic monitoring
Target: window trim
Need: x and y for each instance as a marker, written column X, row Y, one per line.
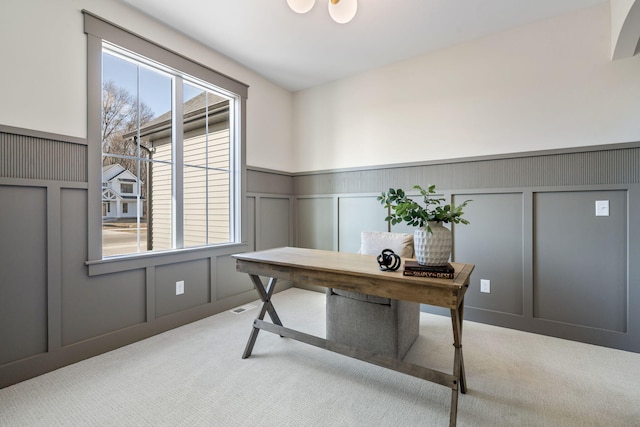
column 105, row 30
column 99, row 30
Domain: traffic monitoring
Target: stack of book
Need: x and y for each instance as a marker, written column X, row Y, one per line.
column 412, row 268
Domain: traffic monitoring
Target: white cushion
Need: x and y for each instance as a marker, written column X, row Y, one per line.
column 374, row 242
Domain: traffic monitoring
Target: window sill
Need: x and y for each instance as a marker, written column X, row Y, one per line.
column 153, row 259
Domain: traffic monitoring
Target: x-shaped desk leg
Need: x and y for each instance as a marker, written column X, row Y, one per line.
column 458, row 363
column 265, row 296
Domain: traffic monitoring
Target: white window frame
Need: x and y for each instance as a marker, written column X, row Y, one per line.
column 100, row 31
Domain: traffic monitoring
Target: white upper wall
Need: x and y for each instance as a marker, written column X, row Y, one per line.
column 44, row 67
column 547, row 85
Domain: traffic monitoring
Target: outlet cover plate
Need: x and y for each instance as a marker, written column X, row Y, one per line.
column 180, row 287
column 602, row 208
column 485, row 286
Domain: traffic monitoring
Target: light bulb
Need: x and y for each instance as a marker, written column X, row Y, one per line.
column 301, row 6
column 343, row 11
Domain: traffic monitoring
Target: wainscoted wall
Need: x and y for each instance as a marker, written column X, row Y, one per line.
column 555, row 267
column 55, row 309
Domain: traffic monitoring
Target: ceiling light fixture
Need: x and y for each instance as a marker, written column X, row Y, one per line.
column 342, row 11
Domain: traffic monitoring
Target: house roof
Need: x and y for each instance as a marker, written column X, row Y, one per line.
column 192, row 107
column 115, row 170
column 194, row 111
column 111, row 171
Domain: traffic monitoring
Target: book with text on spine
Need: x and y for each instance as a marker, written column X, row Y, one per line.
column 432, row 274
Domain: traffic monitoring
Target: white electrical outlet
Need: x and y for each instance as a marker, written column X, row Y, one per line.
column 602, row 208
column 485, row 286
column 180, row 287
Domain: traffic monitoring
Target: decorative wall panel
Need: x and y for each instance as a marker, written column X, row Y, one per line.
column 23, row 277
column 591, row 167
column 554, row 267
column 580, row 259
column 30, row 157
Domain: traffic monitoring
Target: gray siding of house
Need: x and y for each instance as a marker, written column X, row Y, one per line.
column 555, row 267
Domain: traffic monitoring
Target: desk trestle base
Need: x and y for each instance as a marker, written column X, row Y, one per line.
column 358, row 273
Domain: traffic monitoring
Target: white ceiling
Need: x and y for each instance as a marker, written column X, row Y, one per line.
column 301, row 51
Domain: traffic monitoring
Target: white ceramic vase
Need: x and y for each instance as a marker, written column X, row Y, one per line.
column 432, row 248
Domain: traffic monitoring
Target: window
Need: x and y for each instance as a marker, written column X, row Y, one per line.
column 126, row 188
column 171, row 147
column 140, row 142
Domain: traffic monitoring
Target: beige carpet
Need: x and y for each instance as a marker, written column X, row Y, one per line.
column 194, row 376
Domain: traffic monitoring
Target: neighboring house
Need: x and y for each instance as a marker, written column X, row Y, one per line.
column 119, row 192
column 207, row 158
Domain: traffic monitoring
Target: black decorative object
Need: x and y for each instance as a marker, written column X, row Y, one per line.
column 388, row 260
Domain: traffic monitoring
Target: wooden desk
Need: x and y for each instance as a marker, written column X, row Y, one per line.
column 358, row 273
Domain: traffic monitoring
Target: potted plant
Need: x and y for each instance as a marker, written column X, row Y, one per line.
column 432, row 241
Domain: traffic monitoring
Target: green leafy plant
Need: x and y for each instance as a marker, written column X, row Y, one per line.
column 404, row 209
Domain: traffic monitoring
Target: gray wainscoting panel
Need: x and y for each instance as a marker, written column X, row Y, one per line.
column 357, row 214
column 590, row 166
column 577, row 280
column 493, row 241
column 251, row 223
column 555, row 268
column 195, row 275
column 274, row 223
column 580, row 259
column 259, row 181
column 23, row 277
column 402, row 228
column 97, row 305
column 55, row 307
column 229, row 281
column 31, row 157
column 316, row 223
column 103, row 304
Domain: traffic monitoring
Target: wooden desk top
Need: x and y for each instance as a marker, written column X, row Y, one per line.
column 354, row 272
